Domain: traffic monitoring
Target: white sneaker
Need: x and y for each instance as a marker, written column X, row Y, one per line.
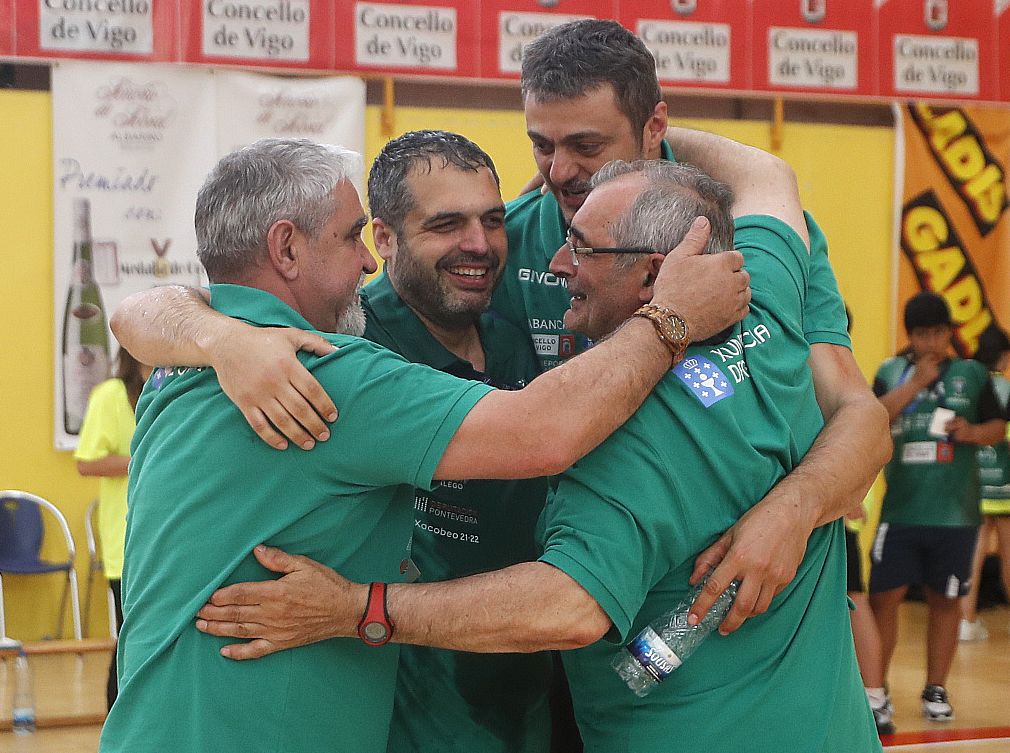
column 935, row 706
column 972, row 631
column 883, row 716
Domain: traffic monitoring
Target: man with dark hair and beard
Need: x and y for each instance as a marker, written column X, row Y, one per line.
column 439, row 224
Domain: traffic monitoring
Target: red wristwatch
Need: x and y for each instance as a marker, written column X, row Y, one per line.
column 375, row 627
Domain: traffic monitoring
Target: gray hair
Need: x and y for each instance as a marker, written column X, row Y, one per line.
column 579, row 57
column 662, row 213
column 389, row 198
column 254, row 187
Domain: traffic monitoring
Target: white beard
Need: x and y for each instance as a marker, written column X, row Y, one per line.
column 352, row 320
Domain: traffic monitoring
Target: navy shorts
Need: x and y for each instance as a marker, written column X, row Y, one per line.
column 938, row 557
column 853, row 563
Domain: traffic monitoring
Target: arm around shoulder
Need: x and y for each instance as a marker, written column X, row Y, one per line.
column 561, row 415
column 167, row 325
column 527, row 607
column 762, row 183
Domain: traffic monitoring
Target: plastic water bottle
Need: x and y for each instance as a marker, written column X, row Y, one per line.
column 23, row 719
column 668, row 640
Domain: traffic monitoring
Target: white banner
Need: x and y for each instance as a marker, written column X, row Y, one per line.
column 251, row 106
column 132, row 145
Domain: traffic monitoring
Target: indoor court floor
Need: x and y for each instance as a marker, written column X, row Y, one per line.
column 70, row 693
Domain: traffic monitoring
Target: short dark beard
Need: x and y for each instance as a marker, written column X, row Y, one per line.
column 420, row 288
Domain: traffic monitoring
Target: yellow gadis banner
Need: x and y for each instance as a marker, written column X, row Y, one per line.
column 954, row 231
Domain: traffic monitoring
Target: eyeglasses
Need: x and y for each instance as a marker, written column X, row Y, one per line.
column 578, row 250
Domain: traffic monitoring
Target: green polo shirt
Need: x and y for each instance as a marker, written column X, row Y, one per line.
column 824, row 317
column 627, row 521
column 204, row 490
column 931, row 480
column 534, row 299
column 449, row 700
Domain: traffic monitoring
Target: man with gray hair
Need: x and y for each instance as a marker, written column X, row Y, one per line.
column 623, row 525
column 590, row 95
column 279, row 228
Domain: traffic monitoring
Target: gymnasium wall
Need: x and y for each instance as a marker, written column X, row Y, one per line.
column 846, row 177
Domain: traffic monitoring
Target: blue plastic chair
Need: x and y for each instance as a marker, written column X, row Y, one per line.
column 21, row 533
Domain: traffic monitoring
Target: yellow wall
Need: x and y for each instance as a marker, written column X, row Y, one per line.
column 845, row 179
column 27, row 458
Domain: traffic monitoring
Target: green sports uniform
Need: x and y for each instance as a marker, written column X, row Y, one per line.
column 994, row 461
column 204, row 490
column 529, row 295
column 627, row 521
column 534, row 299
column 932, row 481
column 454, row 700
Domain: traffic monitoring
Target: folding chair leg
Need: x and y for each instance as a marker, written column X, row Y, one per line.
column 63, row 608
column 88, row 595
column 3, row 623
column 113, row 627
column 75, row 603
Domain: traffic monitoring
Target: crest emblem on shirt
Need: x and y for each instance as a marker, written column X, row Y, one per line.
column 704, row 380
column 958, row 384
column 158, row 377
column 938, row 391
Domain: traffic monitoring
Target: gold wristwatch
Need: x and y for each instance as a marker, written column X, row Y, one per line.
column 670, row 326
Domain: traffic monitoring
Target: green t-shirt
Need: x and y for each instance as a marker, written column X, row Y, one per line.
column 627, row 521
column 107, row 430
column 994, row 460
column 824, row 318
column 529, row 295
column 534, row 299
column 454, row 700
column 932, row 481
column 205, row 490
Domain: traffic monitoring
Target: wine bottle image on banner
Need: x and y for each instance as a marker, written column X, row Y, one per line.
column 85, row 334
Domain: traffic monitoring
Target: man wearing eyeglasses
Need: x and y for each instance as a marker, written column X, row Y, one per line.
column 623, row 525
column 590, row 95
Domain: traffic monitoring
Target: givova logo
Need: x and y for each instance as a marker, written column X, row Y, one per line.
column 704, row 380
column 541, row 277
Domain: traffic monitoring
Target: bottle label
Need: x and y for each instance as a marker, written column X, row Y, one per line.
column 653, row 654
column 83, row 368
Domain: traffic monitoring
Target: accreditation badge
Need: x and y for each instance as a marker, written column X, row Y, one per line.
column 923, row 453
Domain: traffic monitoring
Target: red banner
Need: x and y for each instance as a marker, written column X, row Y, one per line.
column 6, row 27
column 824, row 46
column 435, row 38
column 902, row 49
column 113, row 30
column 271, row 33
column 697, row 43
column 507, row 26
column 937, row 48
column 1003, row 49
